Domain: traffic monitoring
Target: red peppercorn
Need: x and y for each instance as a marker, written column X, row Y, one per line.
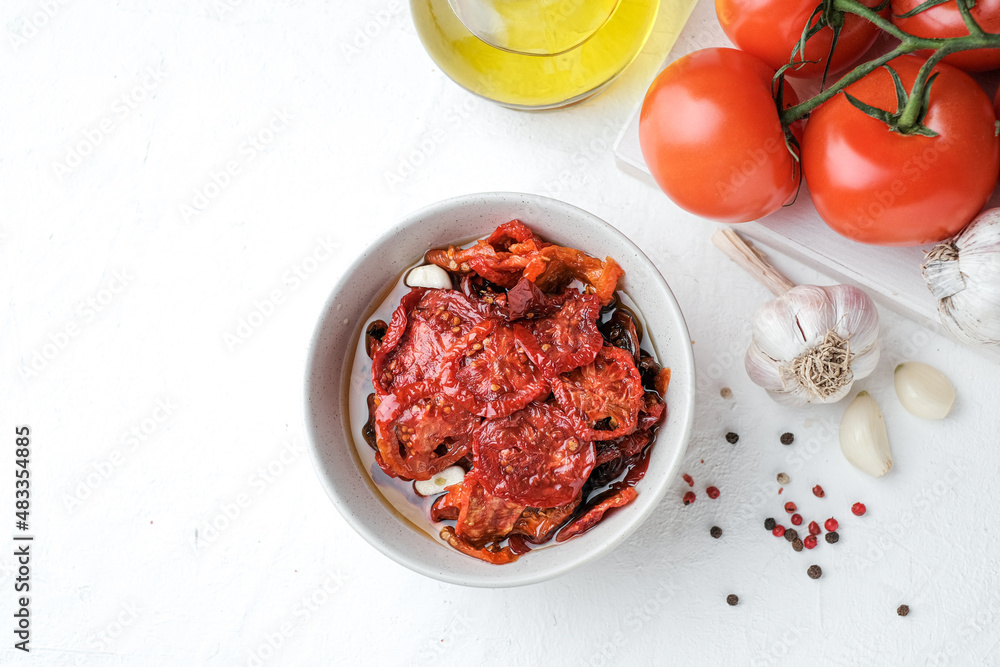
column 813, row 528
column 779, row 531
column 831, row 524
column 796, row 519
column 809, row 542
column 858, row 509
column 712, row 492
column 687, row 478
column 689, row 497
column 790, row 507
column 818, row 491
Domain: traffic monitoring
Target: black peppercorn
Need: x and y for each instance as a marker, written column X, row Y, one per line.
column 791, row 535
column 716, row 532
column 832, row 537
column 732, row 438
column 732, row 600
column 814, row 572
column 787, row 438
column 797, row 544
column 770, row 523
column 903, row 610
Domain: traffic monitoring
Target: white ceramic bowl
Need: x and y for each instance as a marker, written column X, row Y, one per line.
column 341, row 324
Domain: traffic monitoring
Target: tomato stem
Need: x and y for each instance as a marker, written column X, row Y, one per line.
column 911, row 113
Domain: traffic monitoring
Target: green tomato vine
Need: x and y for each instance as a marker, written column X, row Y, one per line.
column 911, row 105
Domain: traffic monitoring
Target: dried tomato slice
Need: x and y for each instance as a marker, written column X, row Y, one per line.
column 484, row 517
column 426, row 325
column 604, row 396
column 492, row 554
column 568, row 338
column 563, row 265
column 538, row 525
column 491, row 374
column 534, row 456
column 598, row 507
column 420, row 431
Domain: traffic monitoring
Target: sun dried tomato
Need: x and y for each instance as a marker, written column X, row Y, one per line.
column 620, row 331
column 492, row 553
column 533, row 456
column 420, row 431
column 604, row 397
column 563, row 265
column 448, row 506
column 425, row 326
column 512, row 251
column 537, row 525
column 569, row 338
column 597, row 508
column 484, row 517
column 490, row 374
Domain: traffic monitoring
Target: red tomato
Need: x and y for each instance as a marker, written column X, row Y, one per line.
column 877, row 186
column 946, row 21
column 771, row 29
column 533, row 457
column 710, row 135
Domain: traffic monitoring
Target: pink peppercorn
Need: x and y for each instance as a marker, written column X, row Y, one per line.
column 858, row 509
column 796, row 519
column 831, row 524
column 813, row 528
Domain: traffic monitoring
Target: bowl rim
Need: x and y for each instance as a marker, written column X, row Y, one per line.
column 684, row 412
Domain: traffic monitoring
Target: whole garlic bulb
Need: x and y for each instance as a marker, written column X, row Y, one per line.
column 963, row 274
column 811, row 343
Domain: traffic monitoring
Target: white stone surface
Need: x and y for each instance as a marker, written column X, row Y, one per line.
column 127, row 568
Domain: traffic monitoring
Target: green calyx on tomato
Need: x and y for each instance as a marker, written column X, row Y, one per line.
column 890, row 188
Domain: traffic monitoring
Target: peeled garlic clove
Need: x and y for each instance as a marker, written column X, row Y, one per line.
column 923, row 390
column 863, row 437
column 439, row 482
column 428, row 275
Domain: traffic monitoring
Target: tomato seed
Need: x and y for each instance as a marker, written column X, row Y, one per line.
column 858, row 509
column 796, row 519
column 712, row 492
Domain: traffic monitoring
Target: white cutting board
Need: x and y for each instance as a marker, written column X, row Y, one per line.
column 890, row 275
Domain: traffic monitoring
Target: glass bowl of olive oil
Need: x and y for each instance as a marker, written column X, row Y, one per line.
column 534, row 54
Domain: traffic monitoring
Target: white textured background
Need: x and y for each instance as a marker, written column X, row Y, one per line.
column 121, row 308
